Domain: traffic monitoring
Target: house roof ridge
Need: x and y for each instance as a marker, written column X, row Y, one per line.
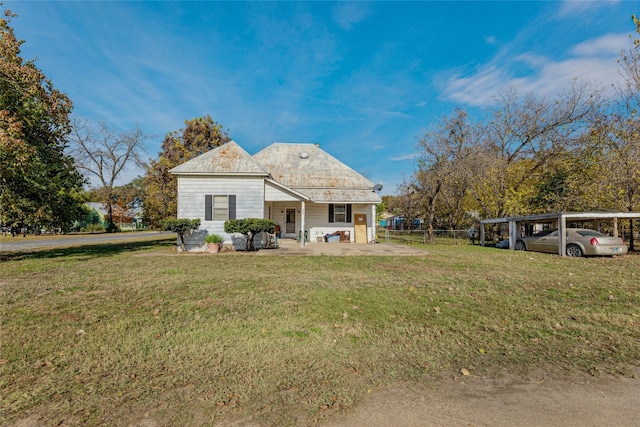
column 229, row 158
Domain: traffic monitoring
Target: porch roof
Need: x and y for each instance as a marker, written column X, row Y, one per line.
column 340, row 195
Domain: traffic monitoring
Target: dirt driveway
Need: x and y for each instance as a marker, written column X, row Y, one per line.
column 540, row 400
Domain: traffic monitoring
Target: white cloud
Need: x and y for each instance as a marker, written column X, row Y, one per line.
column 348, row 13
column 491, row 40
column 607, row 45
column 404, row 157
column 575, row 7
column 594, row 61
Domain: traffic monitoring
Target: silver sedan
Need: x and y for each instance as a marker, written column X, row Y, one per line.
column 580, row 242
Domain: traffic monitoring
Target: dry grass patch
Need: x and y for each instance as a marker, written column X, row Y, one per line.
column 113, row 335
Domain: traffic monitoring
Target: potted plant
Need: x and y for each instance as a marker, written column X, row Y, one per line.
column 214, row 241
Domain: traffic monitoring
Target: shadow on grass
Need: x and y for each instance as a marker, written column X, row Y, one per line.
column 91, row 250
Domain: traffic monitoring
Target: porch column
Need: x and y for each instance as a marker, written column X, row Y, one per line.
column 374, row 226
column 302, row 214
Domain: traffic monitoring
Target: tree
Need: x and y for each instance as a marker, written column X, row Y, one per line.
column 442, row 170
column 104, row 154
column 128, row 196
column 181, row 226
column 524, row 135
column 617, row 136
column 160, row 187
column 249, row 227
column 39, row 184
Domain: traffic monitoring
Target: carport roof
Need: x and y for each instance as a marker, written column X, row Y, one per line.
column 561, row 217
column 566, row 215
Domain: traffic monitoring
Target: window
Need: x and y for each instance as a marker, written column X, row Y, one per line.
column 219, row 207
column 340, row 212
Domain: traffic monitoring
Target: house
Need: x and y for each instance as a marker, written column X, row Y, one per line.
column 125, row 219
column 306, row 191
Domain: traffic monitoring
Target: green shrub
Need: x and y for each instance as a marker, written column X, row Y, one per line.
column 112, row 228
column 213, row 238
column 249, row 227
column 180, row 226
column 94, row 228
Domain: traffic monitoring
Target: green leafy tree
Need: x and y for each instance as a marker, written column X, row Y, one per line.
column 249, row 227
column 617, row 136
column 160, row 187
column 39, row 184
column 181, row 226
column 524, row 134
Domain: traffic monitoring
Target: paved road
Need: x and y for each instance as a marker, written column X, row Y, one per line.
column 20, row 243
column 287, row 246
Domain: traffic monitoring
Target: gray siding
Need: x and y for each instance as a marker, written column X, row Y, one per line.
column 249, row 192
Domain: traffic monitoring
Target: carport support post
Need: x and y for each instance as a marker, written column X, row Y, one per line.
column 513, row 234
column 562, row 236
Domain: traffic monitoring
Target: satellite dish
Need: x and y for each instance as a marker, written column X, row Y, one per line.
column 304, row 155
column 377, row 187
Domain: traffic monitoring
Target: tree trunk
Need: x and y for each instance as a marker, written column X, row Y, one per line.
column 111, row 226
column 182, row 247
column 250, row 245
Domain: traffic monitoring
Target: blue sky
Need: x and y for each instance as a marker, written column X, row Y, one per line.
column 362, row 79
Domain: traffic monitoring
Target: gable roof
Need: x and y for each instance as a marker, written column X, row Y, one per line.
column 226, row 159
column 308, row 166
column 308, row 171
column 312, row 171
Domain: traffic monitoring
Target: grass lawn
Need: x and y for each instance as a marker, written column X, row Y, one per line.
column 109, row 335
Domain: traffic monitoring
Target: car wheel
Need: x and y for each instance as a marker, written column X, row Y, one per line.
column 574, row 250
column 520, row 246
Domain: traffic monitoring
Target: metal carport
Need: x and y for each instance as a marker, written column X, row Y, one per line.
column 561, row 218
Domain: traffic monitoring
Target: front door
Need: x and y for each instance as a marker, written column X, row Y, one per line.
column 290, row 222
column 361, row 228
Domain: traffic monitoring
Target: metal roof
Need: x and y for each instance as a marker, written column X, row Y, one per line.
column 341, row 195
column 566, row 215
column 226, row 159
column 312, row 171
column 308, row 166
column 286, row 189
column 307, row 170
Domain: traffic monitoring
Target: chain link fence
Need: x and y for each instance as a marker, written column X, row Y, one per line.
column 440, row 237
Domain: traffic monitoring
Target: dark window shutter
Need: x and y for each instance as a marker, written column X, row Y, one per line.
column 348, row 213
column 208, row 207
column 232, row 206
column 331, row 213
